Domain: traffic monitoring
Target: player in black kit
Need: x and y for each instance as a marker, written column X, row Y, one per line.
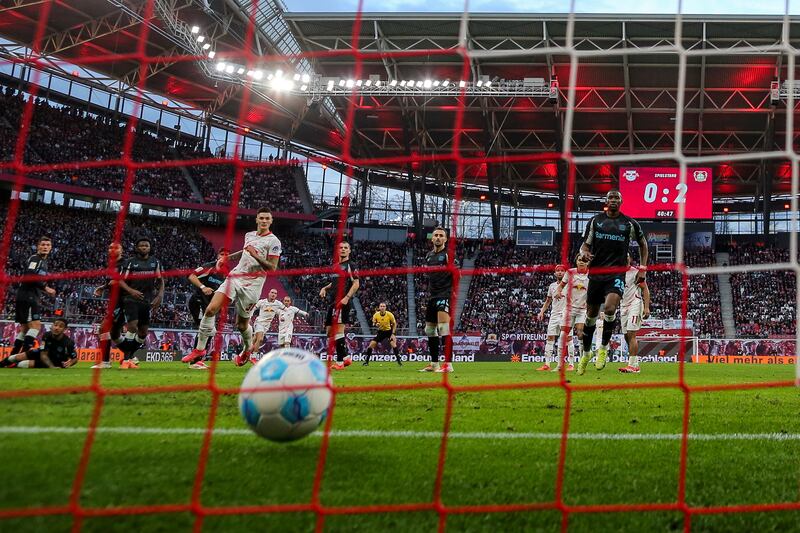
column 606, row 243
column 28, row 312
column 339, row 311
column 206, row 279
column 57, row 351
column 142, row 294
column 437, row 310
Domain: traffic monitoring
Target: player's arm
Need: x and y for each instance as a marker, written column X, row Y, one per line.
column 588, row 239
column 353, row 290
column 646, row 300
column 194, row 279
column 393, row 322
column 644, row 252
column 45, row 359
column 268, row 263
column 375, row 319
column 127, row 288
column 32, row 269
column 545, row 305
column 160, row 296
column 324, row 290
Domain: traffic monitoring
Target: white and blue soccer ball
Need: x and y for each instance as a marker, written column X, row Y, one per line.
column 291, row 413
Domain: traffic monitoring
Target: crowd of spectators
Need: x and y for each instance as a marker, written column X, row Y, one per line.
column 80, row 243
column 272, row 185
column 63, row 134
column 763, row 302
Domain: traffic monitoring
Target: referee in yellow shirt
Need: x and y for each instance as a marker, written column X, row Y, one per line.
column 387, row 326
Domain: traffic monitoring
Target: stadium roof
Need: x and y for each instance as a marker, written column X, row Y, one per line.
column 626, row 90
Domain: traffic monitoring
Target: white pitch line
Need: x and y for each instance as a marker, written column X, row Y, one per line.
column 365, row 433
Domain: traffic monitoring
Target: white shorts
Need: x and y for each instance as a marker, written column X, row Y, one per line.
column 575, row 316
column 261, row 326
column 284, row 337
column 554, row 326
column 243, row 296
column 631, row 318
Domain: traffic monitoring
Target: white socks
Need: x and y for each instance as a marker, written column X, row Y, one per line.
column 548, row 352
column 205, row 331
column 247, row 338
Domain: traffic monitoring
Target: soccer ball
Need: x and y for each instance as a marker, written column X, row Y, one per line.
column 288, row 414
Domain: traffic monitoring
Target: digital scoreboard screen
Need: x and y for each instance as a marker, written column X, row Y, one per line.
column 535, row 237
column 656, row 192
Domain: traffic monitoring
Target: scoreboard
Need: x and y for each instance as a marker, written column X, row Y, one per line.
column 656, row 192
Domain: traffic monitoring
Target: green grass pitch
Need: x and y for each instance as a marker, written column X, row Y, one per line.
column 504, row 451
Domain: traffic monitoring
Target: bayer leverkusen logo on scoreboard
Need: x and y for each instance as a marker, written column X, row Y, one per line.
column 700, row 176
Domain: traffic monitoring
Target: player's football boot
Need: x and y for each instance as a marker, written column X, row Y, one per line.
column 128, row 365
column 200, row 365
column 337, row 366
column 347, row 361
column 193, row 356
column 555, row 369
column 102, row 364
column 602, row 358
column 242, row 358
column 429, row 368
column 543, row 368
column 446, row 368
column 570, row 368
column 582, row 362
column 630, row 369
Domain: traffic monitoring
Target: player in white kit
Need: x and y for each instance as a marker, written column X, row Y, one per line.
column 243, row 286
column 558, row 303
column 575, row 309
column 267, row 309
column 286, row 322
column 635, row 307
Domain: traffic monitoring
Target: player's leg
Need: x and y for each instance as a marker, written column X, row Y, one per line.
column 395, row 349
column 630, row 324
column 592, row 310
column 432, row 332
column 246, row 330
column 609, row 317
column 549, row 347
column 579, row 335
column 445, row 339
column 206, row 329
column 29, row 318
column 372, row 344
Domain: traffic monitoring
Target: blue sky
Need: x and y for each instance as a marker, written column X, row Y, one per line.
column 750, row 7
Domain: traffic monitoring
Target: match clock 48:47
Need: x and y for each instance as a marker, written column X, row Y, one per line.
column 657, row 192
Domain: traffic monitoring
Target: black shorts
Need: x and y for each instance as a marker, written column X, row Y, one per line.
column 599, row 288
column 382, row 335
column 35, row 356
column 340, row 315
column 137, row 310
column 196, row 307
column 434, row 306
column 27, row 309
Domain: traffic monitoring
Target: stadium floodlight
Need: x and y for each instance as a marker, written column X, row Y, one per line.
column 296, row 77
column 359, row 83
column 195, row 29
column 488, row 83
column 211, row 54
column 257, row 74
column 350, row 84
column 368, row 83
column 427, row 84
column 201, row 38
column 306, row 78
column 250, row 73
column 377, row 83
column 240, row 71
column 220, row 66
column 330, row 85
column 206, row 46
column 403, row 83
column 279, row 73
column 393, row 83
column 479, row 84
column 304, row 87
column 341, row 83
column 462, row 84
column 229, row 69
column 436, row 83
